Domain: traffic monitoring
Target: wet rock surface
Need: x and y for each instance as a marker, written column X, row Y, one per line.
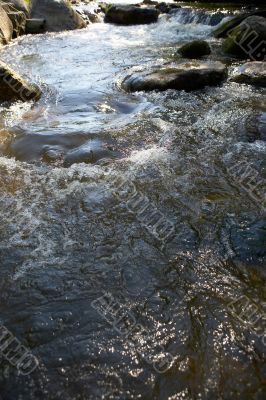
column 13, row 87
column 251, row 73
column 255, row 126
column 131, row 15
column 61, row 149
column 187, row 76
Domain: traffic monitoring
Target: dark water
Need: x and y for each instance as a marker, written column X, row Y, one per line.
column 70, row 232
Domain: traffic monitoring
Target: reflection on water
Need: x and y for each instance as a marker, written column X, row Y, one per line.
column 68, row 235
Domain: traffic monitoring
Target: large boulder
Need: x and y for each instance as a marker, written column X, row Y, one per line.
column 248, row 40
column 6, row 27
column 195, row 49
column 130, row 15
column 187, row 76
column 59, row 15
column 18, row 19
column 251, row 73
column 225, row 27
column 13, row 87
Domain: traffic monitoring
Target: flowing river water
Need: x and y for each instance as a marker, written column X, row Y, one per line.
column 69, row 234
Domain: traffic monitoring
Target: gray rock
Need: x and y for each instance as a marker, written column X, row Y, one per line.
column 131, row 15
column 186, row 76
column 251, row 73
column 59, row 15
column 13, row 87
column 248, row 40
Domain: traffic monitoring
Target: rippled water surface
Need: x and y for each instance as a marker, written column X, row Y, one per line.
column 69, row 234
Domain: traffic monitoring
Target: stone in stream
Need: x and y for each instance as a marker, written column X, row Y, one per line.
column 251, row 73
column 224, row 28
column 18, row 19
column 34, row 26
column 248, row 40
column 58, row 14
column 13, row 87
column 88, row 153
column 186, row 76
column 130, row 15
column 195, row 49
column 6, row 27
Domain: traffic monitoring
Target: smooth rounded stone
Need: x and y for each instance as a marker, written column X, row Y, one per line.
column 251, row 73
column 255, row 126
column 88, row 153
column 131, row 15
column 14, row 87
column 186, row 76
column 64, row 149
column 248, row 40
column 6, row 27
column 58, row 14
column 195, row 49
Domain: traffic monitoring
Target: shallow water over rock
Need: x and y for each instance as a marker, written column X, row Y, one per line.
column 167, row 224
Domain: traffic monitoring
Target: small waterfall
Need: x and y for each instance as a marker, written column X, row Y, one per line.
column 192, row 16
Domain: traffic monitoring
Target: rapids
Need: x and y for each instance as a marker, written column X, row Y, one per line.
column 71, row 234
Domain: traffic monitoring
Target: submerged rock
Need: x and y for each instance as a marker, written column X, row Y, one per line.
column 248, row 241
column 6, row 27
column 195, row 49
column 187, row 76
column 251, row 73
column 59, row 15
column 131, row 15
column 255, row 127
column 61, row 149
column 248, row 40
column 89, row 153
column 13, row 87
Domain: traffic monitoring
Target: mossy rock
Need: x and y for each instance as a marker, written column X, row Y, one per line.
column 195, row 49
column 225, row 27
column 247, row 40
